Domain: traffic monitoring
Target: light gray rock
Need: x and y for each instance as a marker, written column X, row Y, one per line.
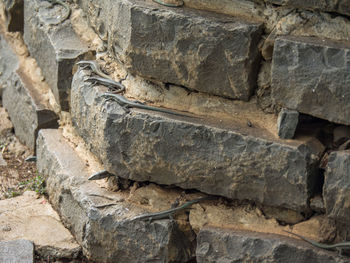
column 19, row 251
column 14, row 15
column 147, row 146
column 338, row 6
column 224, row 245
column 311, row 76
column 337, row 185
column 56, row 48
column 213, row 54
column 287, row 123
column 27, row 108
column 99, row 219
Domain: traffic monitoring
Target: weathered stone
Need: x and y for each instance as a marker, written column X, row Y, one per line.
column 287, row 123
column 28, row 108
column 317, row 205
column 8, row 63
column 338, row 6
column 224, row 245
column 32, row 218
column 149, row 146
column 56, row 48
column 336, row 194
column 98, row 218
column 203, row 52
column 19, row 251
column 309, row 75
column 14, row 15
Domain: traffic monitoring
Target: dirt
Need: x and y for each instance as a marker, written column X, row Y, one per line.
column 16, row 175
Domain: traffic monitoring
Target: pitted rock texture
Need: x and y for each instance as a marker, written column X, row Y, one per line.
column 311, row 76
column 224, row 245
column 28, row 110
column 19, row 251
column 99, row 219
column 336, row 186
column 287, row 123
column 338, row 6
column 147, row 146
column 203, row 52
column 56, row 48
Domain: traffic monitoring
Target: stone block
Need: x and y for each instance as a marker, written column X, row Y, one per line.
column 224, row 245
column 211, row 157
column 287, row 123
column 336, row 194
column 99, row 219
column 14, row 15
column 19, row 251
column 312, row 76
column 337, row 6
column 56, row 48
column 213, row 54
column 27, row 107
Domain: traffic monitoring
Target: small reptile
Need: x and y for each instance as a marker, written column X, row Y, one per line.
column 100, row 175
column 125, row 103
column 170, row 212
column 167, row 4
column 94, row 67
column 65, row 6
column 117, row 86
column 337, row 246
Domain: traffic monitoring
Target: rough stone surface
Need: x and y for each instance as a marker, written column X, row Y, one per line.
column 19, row 251
column 147, row 146
column 224, row 245
column 8, row 63
column 27, row 108
column 99, row 218
column 311, row 76
column 336, row 186
column 14, row 15
column 287, row 123
column 203, row 52
column 338, row 6
column 32, row 218
column 56, row 48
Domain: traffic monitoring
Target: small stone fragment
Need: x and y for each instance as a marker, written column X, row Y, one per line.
column 287, row 123
column 317, row 205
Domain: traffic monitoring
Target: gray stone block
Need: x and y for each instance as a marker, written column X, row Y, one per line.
column 27, row 107
column 99, row 219
column 213, row 54
column 14, row 15
column 338, row 6
column 224, row 245
column 287, row 123
column 147, row 146
column 311, row 76
column 56, row 48
column 17, row 251
column 336, row 188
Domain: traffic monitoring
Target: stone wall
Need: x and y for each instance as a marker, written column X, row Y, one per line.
column 226, row 70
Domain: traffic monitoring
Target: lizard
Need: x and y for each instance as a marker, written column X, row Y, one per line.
column 125, row 103
column 94, row 67
column 337, row 246
column 100, row 175
column 168, row 213
column 167, row 4
column 65, row 6
column 116, row 85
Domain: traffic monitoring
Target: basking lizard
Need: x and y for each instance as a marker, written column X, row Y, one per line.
column 65, row 6
column 168, row 213
column 125, row 103
column 337, row 246
column 167, row 4
column 116, row 85
column 94, row 67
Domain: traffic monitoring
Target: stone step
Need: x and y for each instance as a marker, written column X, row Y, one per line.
column 201, row 51
column 56, row 48
column 310, row 75
column 25, row 96
column 100, row 219
column 196, row 152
